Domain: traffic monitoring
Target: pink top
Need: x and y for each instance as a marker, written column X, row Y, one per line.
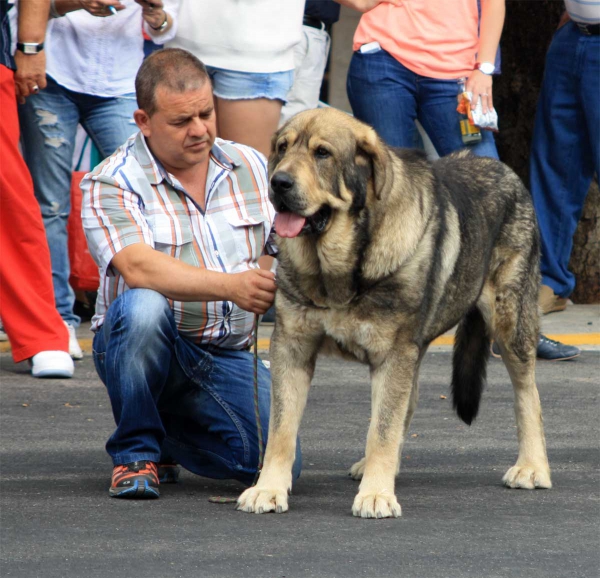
column 433, row 38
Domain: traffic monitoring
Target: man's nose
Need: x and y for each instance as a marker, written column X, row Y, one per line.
column 197, row 128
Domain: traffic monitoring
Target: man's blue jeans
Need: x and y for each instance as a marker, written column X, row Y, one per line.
column 389, row 97
column 565, row 150
column 49, row 122
column 173, row 399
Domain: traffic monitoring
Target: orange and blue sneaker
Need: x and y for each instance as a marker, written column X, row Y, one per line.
column 137, row 480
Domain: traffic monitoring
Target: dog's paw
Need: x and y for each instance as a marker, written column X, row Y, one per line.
column 527, row 477
column 260, row 501
column 358, row 469
column 376, row 505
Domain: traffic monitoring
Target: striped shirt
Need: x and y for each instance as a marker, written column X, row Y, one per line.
column 130, row 198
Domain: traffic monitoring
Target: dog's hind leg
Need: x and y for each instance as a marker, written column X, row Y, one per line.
column 293, row 360
column 516, row 331
column 392, row 382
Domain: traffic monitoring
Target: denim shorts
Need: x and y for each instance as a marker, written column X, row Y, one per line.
column 234, row 85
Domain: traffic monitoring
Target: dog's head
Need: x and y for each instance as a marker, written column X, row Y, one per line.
column 323, row 162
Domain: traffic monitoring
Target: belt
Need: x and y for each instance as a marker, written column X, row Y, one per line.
column 313, row 22
column 588, row 29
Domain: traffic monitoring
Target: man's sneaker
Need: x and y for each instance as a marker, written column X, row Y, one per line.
column 547, row 349
column 52, row 364
column 550, row 301
column 74, row 348
column 168, row 473
column 137, row 480
column 3, row 336
column 551, row 350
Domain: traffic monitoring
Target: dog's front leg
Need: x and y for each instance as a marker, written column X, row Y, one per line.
column 292, row 362
column 392, row 382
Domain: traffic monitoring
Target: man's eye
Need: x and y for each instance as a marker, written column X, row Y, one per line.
column 282, row 148
column 322, row 153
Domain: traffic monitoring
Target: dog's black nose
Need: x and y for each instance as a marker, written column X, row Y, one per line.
column 282, row 182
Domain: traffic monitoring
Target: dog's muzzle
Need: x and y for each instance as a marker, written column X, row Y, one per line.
column 290, row 220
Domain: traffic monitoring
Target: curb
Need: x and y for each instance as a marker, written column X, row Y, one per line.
column 591, row 340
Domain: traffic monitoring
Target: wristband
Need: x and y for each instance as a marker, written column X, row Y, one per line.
column 163, row 25
column 30, row 47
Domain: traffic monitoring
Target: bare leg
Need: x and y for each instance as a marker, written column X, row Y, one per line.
column 251, row 122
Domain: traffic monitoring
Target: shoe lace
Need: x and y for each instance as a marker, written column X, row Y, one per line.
column 550, row 341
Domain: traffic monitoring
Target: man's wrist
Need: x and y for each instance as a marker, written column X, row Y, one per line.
column 163, row 24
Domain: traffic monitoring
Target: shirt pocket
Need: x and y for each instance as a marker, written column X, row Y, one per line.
column 249, row 237
column 174, row 239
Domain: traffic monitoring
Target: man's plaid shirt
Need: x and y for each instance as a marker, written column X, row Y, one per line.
column 130, row 198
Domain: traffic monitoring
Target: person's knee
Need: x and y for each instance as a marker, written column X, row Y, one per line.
column 144, row 311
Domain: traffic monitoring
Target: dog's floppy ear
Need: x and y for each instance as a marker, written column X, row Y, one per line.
column 273, row 153
column 370, row 143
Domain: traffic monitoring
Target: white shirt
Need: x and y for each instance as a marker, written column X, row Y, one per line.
column 585, row 11
column 101, row 56
column 241, row 35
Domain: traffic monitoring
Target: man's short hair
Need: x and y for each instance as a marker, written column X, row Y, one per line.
column 175, row 69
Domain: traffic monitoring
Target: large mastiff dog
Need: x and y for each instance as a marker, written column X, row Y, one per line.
column 381, row 251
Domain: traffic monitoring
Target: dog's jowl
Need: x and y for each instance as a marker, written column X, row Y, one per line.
column 381, row 251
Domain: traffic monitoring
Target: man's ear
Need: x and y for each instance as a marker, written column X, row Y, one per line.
column 370, row 143
column 143, row 121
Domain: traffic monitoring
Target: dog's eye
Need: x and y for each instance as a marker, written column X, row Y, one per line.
column 322, row 153
column 282, row 147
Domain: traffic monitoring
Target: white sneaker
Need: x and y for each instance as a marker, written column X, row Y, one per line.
column 74, row 348
column 52, row 364
column 3, row 336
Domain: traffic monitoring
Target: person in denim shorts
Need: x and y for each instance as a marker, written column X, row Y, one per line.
column 248, row 50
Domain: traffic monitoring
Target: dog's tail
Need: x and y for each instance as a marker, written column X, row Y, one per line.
column 471, row 353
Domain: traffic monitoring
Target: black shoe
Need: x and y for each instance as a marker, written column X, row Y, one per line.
column 168, row 473
column 495, row 350
column 547, row 349
column 551, row 350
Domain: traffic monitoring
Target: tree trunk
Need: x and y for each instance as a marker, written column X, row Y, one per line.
column 528, row 30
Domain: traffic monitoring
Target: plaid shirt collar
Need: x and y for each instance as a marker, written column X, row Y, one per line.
column 156, row 173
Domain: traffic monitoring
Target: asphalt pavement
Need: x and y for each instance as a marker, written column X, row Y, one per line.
column 57, row 520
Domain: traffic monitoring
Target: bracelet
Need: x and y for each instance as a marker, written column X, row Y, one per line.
column 163, row 25
column 53, row 11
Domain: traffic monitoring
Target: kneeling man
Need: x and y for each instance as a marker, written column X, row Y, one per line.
column 176, row 220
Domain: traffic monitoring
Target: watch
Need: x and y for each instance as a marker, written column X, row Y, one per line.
column 30, row 47
column 163, row 25
column 485, row 67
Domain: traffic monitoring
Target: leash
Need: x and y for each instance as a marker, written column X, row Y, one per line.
column 261, row 443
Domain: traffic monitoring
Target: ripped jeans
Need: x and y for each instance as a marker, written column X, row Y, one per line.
column 49, row 122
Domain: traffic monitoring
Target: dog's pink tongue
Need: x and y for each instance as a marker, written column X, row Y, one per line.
column 289, row 224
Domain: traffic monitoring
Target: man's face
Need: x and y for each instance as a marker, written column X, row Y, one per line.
column 183, row 128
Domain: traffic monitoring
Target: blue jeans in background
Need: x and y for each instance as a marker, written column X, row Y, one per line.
column 49, row 122
column 173, row 399
column 390, row 97
column 565, row 149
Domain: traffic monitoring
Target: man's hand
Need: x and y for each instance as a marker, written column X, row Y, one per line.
column 153, row 12
column 253, row 290
column 30, row 76
column 101, row 8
